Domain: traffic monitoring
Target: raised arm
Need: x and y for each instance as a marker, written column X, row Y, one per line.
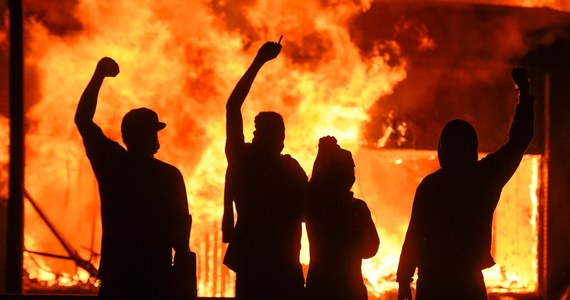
column 522, row 129
column 234, row 122
column 503, row 163
column 106, row 67
column 234, row 128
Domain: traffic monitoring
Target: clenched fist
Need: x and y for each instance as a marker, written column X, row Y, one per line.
column 107, row 67
column 520, row 77
column 268, row 51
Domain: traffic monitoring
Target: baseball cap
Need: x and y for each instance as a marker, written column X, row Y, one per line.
column 141, row 119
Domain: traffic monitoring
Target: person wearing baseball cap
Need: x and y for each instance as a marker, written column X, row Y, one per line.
column 144, row 207
column 139, row 129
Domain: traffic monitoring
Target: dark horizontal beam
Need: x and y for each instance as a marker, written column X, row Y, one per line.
column 74, row 297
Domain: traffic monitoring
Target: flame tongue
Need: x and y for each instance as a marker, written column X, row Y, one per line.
column 182, row 59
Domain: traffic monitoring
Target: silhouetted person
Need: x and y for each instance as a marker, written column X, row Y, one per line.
column 144, row 209
column 340, row 229
column 267, row 189
column 449, row 235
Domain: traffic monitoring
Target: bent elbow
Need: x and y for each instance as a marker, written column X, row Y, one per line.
column 232, row 106
column 369, row 253
column 78, row 121
column 82, row 124
column 371, row 248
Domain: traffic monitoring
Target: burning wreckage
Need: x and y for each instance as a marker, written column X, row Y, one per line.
column 387, row 74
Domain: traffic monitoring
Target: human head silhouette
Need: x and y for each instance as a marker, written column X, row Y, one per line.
column 139, row 129
column 334, row 166
column 269, row 134
column 457, row 146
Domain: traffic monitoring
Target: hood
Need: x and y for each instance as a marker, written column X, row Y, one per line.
column 457, row 145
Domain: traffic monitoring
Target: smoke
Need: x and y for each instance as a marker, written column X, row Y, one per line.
column 182, row 59
column 561, row 5
column 460, row 56
column 56, row 16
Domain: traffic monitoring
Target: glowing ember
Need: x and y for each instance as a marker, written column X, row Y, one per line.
column 556, row 4
column 4, row 157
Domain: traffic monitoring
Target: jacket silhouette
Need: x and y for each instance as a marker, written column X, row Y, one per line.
column 144, row 209
column 268, row 190
column 449, row 234
column 340, row 228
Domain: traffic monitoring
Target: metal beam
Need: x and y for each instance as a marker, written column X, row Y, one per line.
column 15, row 235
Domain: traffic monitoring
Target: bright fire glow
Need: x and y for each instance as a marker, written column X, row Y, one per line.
column 387, row 180
column 4, row 150
column 182, row 59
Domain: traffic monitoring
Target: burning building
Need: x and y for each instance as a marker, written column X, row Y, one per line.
column 382, row 77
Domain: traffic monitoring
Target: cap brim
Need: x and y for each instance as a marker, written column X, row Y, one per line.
column 160, row 126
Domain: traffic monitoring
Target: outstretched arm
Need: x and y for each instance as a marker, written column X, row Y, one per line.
column 106, row 67
column 504, row 162
column 234, row 122
column 522, row 128
column 234, row 127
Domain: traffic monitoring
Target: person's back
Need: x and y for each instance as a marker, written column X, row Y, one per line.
column 268, row 190
column 144, row 210
column 456, row 216
column 449, row 235
column 340, row 228
column 269, row 205
column 136, row 214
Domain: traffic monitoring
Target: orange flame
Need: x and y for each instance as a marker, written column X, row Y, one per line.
column 4, row 158
column 185, row 70
column 182, row 59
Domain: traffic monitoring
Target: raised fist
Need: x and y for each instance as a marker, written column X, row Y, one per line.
column 520, row 77
column 268, row 51
column 107, row 67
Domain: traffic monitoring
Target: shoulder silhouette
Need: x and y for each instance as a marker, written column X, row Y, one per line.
column 268, row 191
column 449, row 235
column 144, row 210
column 340, row 228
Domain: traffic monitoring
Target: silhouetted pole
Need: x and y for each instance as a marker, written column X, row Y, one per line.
column 15, row 236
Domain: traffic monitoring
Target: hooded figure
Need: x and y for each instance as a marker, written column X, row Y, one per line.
column 449, row 235
column 457, row 147
column 339, row 227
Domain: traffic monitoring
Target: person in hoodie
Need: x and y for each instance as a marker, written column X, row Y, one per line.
column 339, row 227
column 449, row 234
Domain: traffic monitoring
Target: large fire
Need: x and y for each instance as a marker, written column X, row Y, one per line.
column 182, row 59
